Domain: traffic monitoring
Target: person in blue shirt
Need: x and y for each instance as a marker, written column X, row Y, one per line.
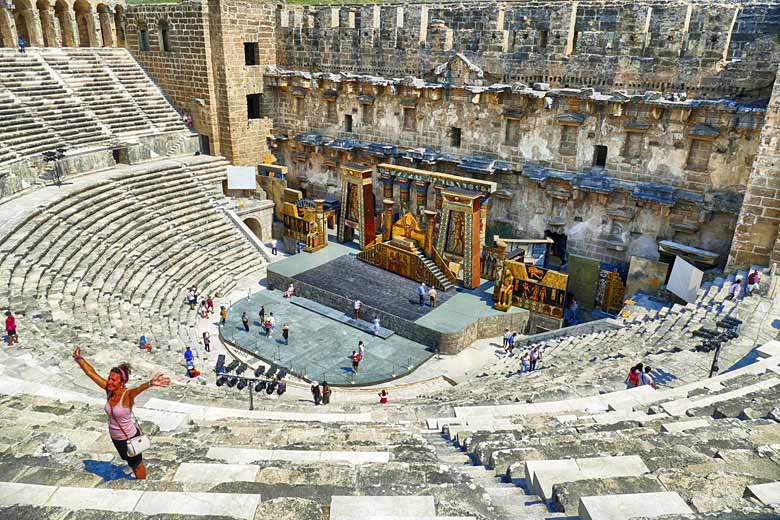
column 421, row 294
column 188, row 355
column 21, row 45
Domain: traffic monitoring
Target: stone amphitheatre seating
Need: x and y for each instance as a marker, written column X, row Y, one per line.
column 77, row 99
column 114, row 257
column 701, row 444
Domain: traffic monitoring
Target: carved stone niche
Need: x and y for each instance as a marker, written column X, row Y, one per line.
column 622, row 214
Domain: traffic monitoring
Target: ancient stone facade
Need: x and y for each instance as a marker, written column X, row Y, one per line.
column 615, row 125
column 63, row 23
column 211, row 62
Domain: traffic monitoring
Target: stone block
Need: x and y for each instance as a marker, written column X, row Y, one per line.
column 356, row 507
column 767, row 494
column 621, row 507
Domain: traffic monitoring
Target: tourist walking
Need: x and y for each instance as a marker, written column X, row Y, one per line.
column 274, row 244
column 752, row 283
column 222, row 315
column 356, row 308
column 383, row 396
column 507, row 334
column 20, row 41
column 376, row 325
column 734, row 288
column 286, row 334
column 355, row 357
column 245, row 321
column 127, row 437
column 315, row 392
column 262, row 314
column 325, row 393
column 634, row 376
column 10, row 328
column 188, row 356
column 206, row 342
column 432, row 294
column 361, row 349
column 267, row 327
column 525, row 362
column 203, row 310
column 289, row 292
column 209, row 305
column 421, row 293
column 535, row 355
column 272, row 321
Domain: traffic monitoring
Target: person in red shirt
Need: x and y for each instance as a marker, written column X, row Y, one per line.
column 355, row 361
column 10, row 328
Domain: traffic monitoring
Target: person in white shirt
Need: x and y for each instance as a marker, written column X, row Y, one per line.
column 274, row 243
column 356, row 306
column 646, row 378
column 376, row 325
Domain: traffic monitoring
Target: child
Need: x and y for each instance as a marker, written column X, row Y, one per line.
column 144, row 345
column 383, row 396
column 222, row 315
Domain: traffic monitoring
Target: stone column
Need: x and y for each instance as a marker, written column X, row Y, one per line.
column 387, row 219
column 54, row 28
column 430, row 223
column 322, row 226
column 405, row 195
column 420, row 195
column 95, row 34
column 36, row 34
column 107, row 29
column 9, row 23
column 387, row 186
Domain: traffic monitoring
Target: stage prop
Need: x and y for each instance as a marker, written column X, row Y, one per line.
column 459, row 233
column 305, row 221
column 541, row 291
column 684, row 280
column 357, row 205
column 645, row 276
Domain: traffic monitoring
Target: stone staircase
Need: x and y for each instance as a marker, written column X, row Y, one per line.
column 431, row 266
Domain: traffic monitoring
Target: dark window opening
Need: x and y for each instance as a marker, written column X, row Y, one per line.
column 251, row 53
column 205, row 145
column 165, row 39
column 143, row 40
column 575, row 43
column 254, row 105
column 348, row 123
column 542, row 39
column 455, row 137
column 600, row 155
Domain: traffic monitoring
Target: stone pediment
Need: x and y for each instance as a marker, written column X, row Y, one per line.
column 459, row 70
column 571, row 118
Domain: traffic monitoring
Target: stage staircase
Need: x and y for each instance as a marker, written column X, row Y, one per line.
column 431, row 266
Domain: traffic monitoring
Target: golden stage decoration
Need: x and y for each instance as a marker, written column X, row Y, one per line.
column 539, row 290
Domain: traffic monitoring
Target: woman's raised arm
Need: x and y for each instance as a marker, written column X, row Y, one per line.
column 87, row 368
column 158, row 380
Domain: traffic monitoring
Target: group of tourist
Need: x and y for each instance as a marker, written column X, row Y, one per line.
column 736, row 285
column 640, row 375
column 423, row 291
column 357, row 306
column 321, row 394
column 530, row 356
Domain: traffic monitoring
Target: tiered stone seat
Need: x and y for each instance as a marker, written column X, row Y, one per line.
column 100, row 91
column 123, row 251
column 50, row 101
column 21, row 133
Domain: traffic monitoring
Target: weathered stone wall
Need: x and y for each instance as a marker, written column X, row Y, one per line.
column 185, row 71
column 709, row 49
column 672, row 170
column 232, row 24
column 756, row 235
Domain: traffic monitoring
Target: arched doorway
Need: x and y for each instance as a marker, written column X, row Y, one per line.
column 119, row 24
column 85, row 24
column 104, row 17
column 23, row 18
column 254, row 225
column 47, row 24
column 62, row 13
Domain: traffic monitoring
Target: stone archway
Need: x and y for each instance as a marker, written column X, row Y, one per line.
column 85, row 23
column 25, row 21
column 254, row 225
column 65, row 22
column 48, row 28
column 119, row 25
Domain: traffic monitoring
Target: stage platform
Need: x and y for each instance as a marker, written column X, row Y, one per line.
column 334, row 277
column 320, row 346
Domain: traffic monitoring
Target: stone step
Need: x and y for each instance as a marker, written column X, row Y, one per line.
column 236, row 455
column 230, row 505
column 356, row 507
column 620, row 507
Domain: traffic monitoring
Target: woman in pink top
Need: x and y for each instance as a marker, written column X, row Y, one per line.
column 119, row 407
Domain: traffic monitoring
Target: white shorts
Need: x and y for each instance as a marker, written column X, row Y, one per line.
column 752, row 287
